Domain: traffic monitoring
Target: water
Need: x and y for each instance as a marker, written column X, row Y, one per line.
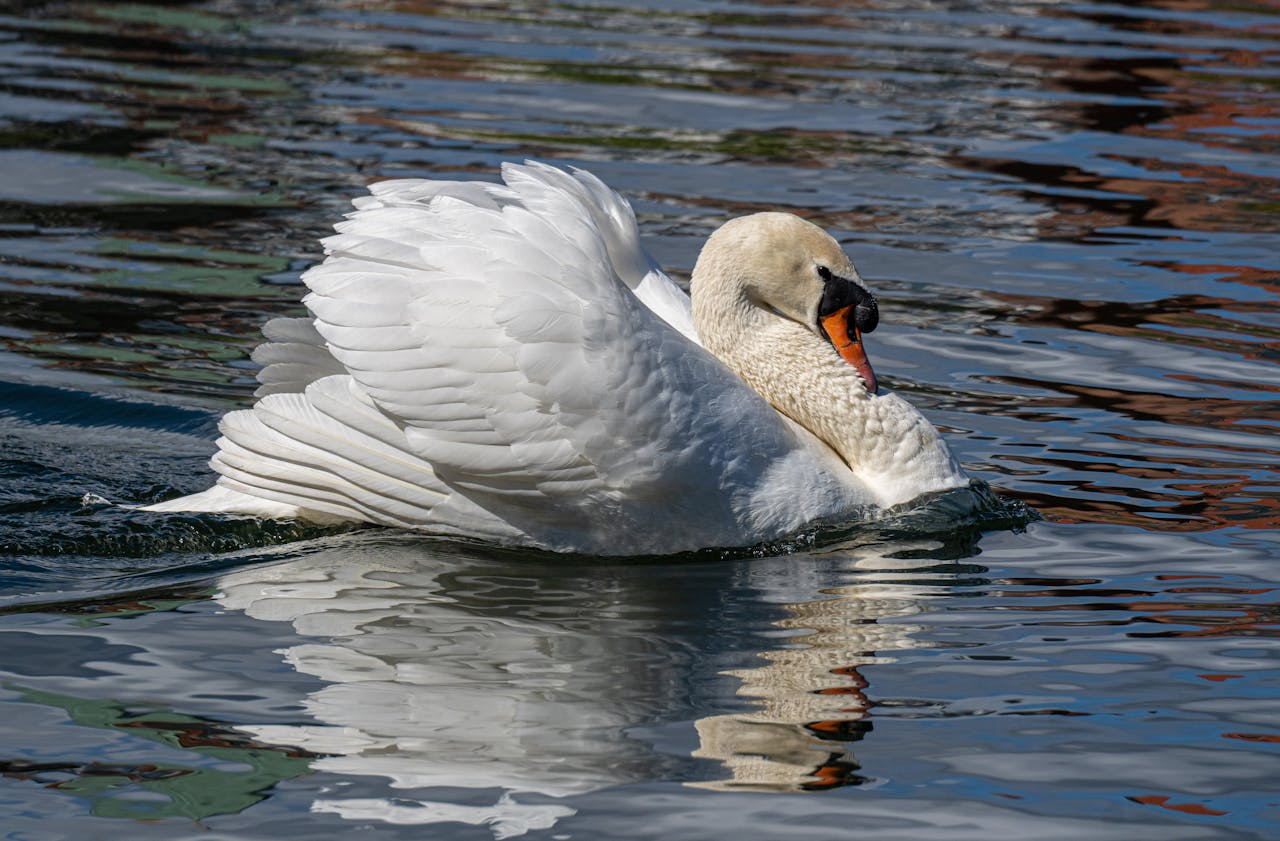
column 1069, row 212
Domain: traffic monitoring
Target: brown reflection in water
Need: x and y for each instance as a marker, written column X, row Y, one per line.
column 1210, row 620
column 1204, row 198
column 1207, row 507
column 1201, row 95
column 1216, row 90
column 1267, row 280
column 1201, row 412
column 1201, row 491
column 193, row 733
column 54, row 774
column 1268, row 738
column 1162, row 800
column 1179, row 316
column 1221, row 618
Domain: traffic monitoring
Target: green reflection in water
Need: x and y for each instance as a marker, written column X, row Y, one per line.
column 119, row 790
column 794, row 145
column 86, row 351
column 166, row 17
column 240, row 141
column 96, row 615
column 197, row 191
column 178, row 268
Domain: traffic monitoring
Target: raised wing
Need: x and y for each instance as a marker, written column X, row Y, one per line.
column 509, row 352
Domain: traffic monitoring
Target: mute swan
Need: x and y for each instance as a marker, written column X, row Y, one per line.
column 505, row 362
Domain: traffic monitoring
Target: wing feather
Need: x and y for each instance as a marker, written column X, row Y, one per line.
column 294, row 355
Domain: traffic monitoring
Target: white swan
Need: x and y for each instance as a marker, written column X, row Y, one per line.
column 504, row 361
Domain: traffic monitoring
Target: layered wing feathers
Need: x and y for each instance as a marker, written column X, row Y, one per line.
column 500, row 360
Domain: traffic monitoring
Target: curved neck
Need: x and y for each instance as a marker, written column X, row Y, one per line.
column 786, row 364
column 883, row 439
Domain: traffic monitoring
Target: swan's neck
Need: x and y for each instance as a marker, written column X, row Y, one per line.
column 885, row 442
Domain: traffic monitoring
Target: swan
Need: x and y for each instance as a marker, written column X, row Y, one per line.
column 505, row 362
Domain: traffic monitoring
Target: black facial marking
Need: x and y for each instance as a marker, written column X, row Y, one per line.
column 839, row 292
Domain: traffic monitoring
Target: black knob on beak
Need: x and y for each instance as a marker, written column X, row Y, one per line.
column 839, row 292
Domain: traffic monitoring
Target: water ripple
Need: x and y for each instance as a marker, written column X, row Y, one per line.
column 1068, row 211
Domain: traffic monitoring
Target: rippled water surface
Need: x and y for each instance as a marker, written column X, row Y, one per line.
column 1069, row 212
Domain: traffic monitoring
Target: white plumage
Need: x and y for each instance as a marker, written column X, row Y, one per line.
column 504, row 361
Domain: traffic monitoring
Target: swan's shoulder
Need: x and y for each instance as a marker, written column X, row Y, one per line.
column 505, row 359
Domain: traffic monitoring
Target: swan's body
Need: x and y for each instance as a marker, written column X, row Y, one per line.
column 505, row 362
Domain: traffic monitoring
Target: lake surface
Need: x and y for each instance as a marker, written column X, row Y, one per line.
column 1069, row 212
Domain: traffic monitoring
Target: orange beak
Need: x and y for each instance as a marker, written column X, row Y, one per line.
column 850, row 349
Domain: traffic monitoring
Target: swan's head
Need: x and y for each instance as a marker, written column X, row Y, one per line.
column 796, row 270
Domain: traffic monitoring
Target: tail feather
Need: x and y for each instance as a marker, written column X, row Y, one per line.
column 286, row 439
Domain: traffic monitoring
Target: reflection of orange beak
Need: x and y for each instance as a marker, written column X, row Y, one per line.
column 850, row 349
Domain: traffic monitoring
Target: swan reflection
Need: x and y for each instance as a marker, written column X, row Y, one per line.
column 523, row 677
column 812, row 698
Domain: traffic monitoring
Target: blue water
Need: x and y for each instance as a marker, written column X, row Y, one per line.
column 1070, row 213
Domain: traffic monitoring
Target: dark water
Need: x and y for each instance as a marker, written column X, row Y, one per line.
column 1070, row 214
